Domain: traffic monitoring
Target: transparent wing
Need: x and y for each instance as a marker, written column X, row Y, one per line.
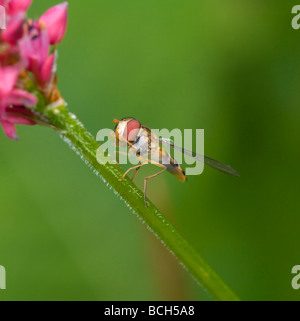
column 200, row 158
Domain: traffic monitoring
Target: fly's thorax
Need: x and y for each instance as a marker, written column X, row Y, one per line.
column 141, row 143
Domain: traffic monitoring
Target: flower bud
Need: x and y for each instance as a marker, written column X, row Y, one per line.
column 55, row 20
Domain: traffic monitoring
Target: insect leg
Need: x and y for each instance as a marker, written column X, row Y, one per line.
column 135, row 173
column 130, row 169
column 149, row 177
column 117, row 157
column 120, row 153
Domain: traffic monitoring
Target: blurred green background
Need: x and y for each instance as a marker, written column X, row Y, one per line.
column 230, row 67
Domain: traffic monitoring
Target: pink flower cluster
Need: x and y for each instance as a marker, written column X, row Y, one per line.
column 27, row 50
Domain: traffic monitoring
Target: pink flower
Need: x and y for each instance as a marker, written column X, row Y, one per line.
column 48, row 69
column 16, row 13
column 15, row 116
column 34, row 48
column 15, row 6
column 26, row 44
column 14, row 29
column 55, row 20
column 13, row 101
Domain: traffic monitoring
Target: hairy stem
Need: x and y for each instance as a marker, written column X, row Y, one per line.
column 85, row 145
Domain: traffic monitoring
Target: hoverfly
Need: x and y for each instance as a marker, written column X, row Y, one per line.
column 140, row 140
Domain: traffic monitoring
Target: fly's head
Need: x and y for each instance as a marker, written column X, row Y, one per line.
column 126, row 130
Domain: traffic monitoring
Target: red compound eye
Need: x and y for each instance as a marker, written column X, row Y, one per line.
column 133, row 127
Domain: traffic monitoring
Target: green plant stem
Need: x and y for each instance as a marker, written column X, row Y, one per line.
column 85, row 145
